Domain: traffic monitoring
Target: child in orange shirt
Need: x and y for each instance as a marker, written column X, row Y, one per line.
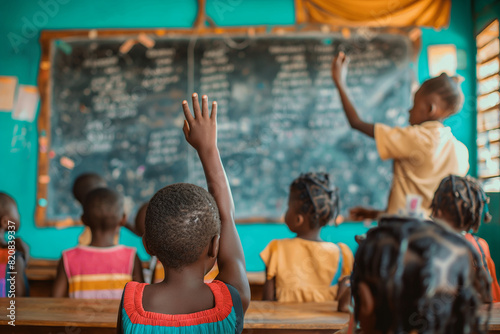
column 305, row 268
column 462, row 203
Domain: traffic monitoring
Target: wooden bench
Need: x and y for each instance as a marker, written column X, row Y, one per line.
column 41, row 274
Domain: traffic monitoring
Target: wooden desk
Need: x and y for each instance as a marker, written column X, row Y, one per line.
column 64, row 315
column 41, row 274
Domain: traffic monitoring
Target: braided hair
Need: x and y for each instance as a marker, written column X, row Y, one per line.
column 424, row 277
column 462, row 201
column 319, row 199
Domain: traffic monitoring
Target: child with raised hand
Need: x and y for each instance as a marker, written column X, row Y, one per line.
column 424, row 152
column 305, row 268
column 13, row 251
column 101, row 269
column 413, row 276
column 462, row 203
column 188, row 229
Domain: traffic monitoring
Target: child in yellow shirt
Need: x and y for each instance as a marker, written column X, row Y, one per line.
column 424, row 152
column 305, row 268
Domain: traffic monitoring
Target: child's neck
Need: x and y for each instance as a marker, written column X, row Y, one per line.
column 312, row 234
column 103, row 238
column 187, row 278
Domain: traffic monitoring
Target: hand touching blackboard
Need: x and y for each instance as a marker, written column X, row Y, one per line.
column 201, row 133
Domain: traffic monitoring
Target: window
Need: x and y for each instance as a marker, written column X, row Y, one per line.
column 488, row 106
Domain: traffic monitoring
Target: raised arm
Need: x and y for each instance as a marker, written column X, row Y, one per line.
column 201, row 133
column 339, row 73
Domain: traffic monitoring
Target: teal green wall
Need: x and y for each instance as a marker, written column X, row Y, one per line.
column 18, row 162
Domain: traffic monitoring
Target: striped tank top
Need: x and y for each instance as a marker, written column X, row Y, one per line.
column 98, row 272
column 225, row 317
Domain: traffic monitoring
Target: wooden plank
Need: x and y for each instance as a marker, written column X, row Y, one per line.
column 45, row 315
column 65, row 312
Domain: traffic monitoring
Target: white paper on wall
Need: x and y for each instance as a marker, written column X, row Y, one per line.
column 26, row 104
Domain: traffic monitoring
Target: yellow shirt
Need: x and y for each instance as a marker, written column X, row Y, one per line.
column 305, row 270
column 423, row 155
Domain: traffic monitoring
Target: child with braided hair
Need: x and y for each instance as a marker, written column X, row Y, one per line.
column 305, row 268
column 462, row 203
column 414, row 276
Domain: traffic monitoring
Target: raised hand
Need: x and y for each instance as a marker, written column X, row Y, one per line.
column 339, row 68
column 201, row 130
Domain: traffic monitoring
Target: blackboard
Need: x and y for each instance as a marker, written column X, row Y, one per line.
column 118, row 112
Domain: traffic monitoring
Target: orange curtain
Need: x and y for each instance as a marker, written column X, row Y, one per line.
column 375, row 13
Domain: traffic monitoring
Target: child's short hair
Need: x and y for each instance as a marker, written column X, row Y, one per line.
column 6, row 204
column 181, row 220
column 448, row 89
column 85, row 183
column 462, row 201
column 422, row 276
column 103, row 209
column 319, row 200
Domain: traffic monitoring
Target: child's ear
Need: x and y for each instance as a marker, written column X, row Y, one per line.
column 4, row 223
column 433, row 109
column 300, row 220
column 144, row 242
column 367, row 303
column 213, row 248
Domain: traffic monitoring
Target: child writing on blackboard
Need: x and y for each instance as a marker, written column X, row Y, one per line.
column 305, row 268
column 13, row 251
column 188, row 229
column 413, row 276
column 424, row 152
column 462, row 203
column 101, row 269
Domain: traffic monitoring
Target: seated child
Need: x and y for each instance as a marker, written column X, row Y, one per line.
column 305, row 268
column 424, row 152
column 82, row 186
column 188, row 229
column 101, row 269
column 413, row 276
column 462, row 203
column 12, row 256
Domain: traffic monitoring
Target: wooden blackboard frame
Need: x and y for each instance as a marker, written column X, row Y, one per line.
column 47, row 38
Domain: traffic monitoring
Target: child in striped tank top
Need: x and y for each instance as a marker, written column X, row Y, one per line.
column 101, row 269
